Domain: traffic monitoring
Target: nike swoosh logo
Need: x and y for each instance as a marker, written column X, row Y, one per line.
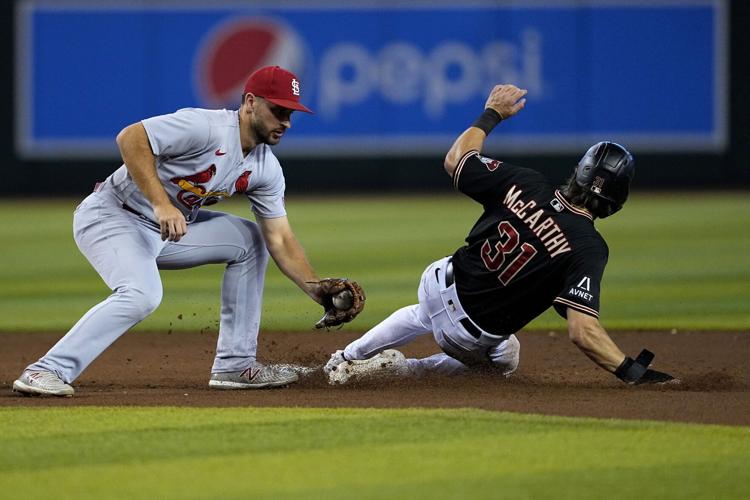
column 220, row 153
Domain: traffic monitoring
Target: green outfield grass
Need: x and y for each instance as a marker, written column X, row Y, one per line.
column 676, row 261
column 336, row 453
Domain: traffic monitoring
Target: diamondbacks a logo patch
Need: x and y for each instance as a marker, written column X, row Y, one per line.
column 489, row 163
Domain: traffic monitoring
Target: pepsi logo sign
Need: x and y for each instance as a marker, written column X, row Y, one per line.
column 236, row 48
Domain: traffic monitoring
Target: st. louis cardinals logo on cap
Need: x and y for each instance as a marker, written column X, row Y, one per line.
column 276, row 85
column 235, row 48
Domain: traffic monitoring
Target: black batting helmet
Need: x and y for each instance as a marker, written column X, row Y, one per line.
column 606, row 171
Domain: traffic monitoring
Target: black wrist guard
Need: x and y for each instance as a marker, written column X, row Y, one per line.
column 632, row 370
column 488, row 120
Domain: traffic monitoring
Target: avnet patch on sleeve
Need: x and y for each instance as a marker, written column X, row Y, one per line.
column 582, row 286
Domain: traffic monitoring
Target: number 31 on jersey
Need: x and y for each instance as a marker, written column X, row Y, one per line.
column 494, row 256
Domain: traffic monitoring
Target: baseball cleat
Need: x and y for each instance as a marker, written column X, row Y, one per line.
column 388, row 363
column 300, row 370
column 257, row 376
column 336, row 359
column 41, row 383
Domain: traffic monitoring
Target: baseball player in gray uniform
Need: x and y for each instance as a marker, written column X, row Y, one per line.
column 147, row 216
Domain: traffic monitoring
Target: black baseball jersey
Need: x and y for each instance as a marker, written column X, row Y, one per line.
column 530, row 248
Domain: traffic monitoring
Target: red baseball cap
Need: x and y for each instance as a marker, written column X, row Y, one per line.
column 277, row 85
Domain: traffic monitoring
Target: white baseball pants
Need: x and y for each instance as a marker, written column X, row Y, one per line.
column 127, row 252
column 439, row 311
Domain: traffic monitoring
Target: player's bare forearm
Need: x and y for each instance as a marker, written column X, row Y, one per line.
column 504, row 101
column 591, row 338
column 292, row 261
column 141, row 164
column 289, row 255
column 471, row 139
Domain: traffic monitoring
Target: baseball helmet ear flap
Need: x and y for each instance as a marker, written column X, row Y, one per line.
column 606, row 171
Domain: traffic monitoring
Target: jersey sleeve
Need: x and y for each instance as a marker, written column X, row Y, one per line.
column 181, row 133
column 267, row 197
column 480, row 177
column 582, row 286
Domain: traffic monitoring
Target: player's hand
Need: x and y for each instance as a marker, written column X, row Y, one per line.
column 657, row 377
column 506, row 100
column 637, row 371
column 171, row 221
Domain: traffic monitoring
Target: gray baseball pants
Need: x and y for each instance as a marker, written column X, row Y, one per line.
column 127, row 252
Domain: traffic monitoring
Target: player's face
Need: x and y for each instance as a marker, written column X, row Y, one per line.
column 269, row 121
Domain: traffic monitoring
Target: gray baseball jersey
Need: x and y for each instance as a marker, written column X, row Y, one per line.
column 199, row 161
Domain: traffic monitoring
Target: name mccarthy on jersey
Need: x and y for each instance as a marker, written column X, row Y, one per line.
column 546, row 228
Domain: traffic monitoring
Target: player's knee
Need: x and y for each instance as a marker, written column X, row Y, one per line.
column 507, row 365
column 513, row 345
column 141, row 302
column 151, row 301
column 508, row 355
column 147, row 301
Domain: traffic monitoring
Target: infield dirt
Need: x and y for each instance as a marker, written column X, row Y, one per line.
column 155, row 369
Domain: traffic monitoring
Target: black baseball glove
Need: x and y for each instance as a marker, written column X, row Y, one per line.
column 636, row 371
column 342, row 301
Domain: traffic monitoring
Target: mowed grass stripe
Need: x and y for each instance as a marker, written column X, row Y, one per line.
column 676, row 261
column 331, row 453
column 393, row 472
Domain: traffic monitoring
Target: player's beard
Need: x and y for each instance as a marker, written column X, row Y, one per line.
column 264, row 134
